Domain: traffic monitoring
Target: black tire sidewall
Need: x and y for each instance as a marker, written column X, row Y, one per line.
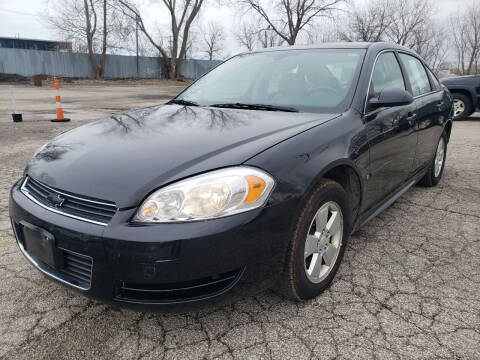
column 468, row 105
column 304, row 288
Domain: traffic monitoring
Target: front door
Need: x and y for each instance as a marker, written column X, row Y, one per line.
column 390, row 133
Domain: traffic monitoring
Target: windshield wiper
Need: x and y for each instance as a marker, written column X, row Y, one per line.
column 255, row 107
column 182, row 102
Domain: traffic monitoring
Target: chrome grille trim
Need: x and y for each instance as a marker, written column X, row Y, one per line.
column 27, row 193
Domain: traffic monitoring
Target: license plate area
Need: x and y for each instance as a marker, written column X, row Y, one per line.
column 40, row 244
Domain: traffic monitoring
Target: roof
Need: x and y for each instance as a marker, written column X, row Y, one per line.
column 338, row 45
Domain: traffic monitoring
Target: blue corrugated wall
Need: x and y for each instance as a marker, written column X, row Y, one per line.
column 64, row 64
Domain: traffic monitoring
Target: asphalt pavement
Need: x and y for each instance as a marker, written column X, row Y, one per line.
column 408, row 288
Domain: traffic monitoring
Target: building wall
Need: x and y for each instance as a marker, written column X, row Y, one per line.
column 32, row 44
column 63, row 64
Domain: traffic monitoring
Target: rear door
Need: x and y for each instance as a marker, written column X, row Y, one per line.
column 431, row 107
column 390, row 133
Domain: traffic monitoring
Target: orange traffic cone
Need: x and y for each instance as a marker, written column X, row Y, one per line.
column 58, row 100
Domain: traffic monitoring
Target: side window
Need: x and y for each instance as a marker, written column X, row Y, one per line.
column 417, row 75
column 387, row 74
column 434, row 80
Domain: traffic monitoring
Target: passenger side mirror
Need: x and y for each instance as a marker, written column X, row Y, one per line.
column 390, row 97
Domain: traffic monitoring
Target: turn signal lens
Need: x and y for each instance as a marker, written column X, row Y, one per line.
column 212, row 195
column 149, row 209
column 256, row 186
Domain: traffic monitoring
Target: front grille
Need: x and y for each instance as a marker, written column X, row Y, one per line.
column 78, row 268
column 98, row 212
column 178, row 292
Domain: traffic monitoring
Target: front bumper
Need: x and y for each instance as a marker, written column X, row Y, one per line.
column 161, row 264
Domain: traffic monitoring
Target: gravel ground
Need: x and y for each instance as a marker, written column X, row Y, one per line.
column 409, row 286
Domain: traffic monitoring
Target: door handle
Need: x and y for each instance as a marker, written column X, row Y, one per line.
column 411, row 118
column 405, row 123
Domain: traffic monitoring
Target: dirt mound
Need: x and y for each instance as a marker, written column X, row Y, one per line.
column 14, row 78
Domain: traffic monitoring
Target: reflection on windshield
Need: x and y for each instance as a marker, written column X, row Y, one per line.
column 319, row 80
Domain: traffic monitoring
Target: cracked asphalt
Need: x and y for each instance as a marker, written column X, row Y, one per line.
column 408, row 288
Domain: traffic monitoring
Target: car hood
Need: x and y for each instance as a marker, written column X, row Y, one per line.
column 466, row 80
column 124, row 157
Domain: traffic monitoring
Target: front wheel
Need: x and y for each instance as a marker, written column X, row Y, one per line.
column 435, row 170
column 318, row 243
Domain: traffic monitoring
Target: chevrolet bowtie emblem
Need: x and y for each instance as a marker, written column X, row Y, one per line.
column 55, row 199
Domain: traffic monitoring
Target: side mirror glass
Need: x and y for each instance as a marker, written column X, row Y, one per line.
column 390, row 97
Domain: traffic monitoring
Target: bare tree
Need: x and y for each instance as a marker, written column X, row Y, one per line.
column 91, row 28
column 88, row 23
column 257, row 33
column 326, row 31
column 213, row 38
column 465, row 29
column 405, row 22
column 193, row 41
column 288, row 17
column 269, row 38
column 368, row 23
column 182, row 15
column 247, row 35
column 431, row 43
column 125, row 37
column 407, row 17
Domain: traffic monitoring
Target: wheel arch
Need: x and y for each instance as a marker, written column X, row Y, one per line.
column 465, row 92
column 348, row 176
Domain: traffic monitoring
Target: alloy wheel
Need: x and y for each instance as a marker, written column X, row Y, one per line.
column 323, row 242
column 458, row 107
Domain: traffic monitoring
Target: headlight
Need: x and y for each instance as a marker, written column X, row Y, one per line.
column 212, row 195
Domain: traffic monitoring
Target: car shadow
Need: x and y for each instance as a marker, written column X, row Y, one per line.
column 474, row 117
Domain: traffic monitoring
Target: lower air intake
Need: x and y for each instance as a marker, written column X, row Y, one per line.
column 78, row 268
column 177, row 292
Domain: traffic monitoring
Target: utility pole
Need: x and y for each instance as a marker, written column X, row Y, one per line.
column 136, row 40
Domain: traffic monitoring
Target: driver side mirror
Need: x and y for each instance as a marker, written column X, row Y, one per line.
column 390, row 97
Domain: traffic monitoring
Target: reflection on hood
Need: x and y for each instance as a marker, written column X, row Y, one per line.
column 125, row 156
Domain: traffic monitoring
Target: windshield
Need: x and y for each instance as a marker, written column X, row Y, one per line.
column 313, row 80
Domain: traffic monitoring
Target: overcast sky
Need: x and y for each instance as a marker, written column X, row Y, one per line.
column 23, row 18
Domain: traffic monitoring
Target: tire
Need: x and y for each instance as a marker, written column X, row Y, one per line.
column 435, row 172
column 296, row 283
column 462, row 106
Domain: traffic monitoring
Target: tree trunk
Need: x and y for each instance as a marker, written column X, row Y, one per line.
column 104, row 45
column 178, row 68
column 98, row 69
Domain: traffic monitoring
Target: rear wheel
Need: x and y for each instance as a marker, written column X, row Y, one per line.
column 462, row 106
column 435, row 170
column 318, row 243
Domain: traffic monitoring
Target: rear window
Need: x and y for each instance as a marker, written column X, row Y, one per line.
column 417, row 75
